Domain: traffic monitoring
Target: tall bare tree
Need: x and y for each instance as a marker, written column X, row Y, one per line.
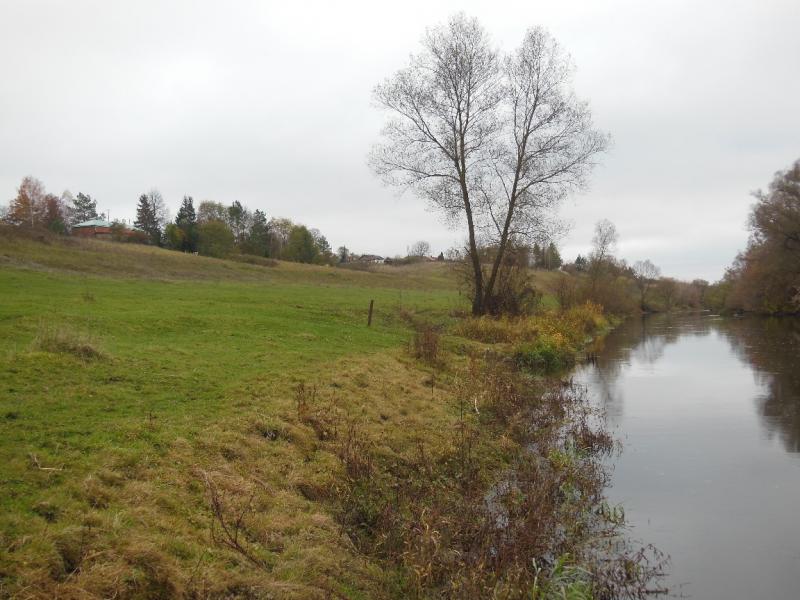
column 495, row 142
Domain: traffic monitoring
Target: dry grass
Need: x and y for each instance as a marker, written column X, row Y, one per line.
column 64, row 340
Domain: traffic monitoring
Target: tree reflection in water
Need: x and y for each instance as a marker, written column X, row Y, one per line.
column 770, row 346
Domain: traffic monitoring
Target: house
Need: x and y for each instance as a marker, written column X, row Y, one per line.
column 101, row 229
column 370, row 258
column 94, row 228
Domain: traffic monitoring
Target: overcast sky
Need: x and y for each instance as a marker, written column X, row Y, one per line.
column 269, row 103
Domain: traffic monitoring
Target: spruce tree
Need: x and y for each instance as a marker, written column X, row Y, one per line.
column 146, row 219
column 187, row 221
column 553, row 258
column 258, row 236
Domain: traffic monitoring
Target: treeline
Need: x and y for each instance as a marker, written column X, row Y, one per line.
column 211, row 228
column 214, row 229
column 622, row 288
column 765, row 277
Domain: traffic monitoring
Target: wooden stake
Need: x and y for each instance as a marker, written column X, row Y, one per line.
column 369, row 318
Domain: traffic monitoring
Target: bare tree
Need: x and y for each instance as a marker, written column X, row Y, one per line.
column 644, row 273
column 604, row 242
column 420, row 248
column 495, row 142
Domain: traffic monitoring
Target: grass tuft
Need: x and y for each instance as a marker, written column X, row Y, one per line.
column 63, row 340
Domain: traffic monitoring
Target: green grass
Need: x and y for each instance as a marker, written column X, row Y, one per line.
column 179, row 351
column 183, row 342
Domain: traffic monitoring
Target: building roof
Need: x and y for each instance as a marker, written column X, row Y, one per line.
column 93, row 223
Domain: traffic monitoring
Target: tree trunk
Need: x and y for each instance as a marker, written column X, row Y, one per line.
column 478, row 306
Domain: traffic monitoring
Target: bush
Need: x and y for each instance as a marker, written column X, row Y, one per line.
column 215, row 239
column 544, row 355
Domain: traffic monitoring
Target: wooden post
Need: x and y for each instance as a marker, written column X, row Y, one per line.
column 369, row 318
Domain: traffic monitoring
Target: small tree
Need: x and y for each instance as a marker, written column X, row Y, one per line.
column 257, row 239
column 279, row 232
column 84, row 208
column 174, row 236
column 151, row 215
column 186, row 221
column 552, row 258
column 668, row 288
column 28, row 208
column 215, row 239
column 420, row 249
column 343, row 254
column 54, row 217
column 238, row 220
column 644, row 273
column 301, row 246
column 604, row 242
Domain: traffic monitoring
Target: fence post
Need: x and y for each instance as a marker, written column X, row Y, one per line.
column 369, row 318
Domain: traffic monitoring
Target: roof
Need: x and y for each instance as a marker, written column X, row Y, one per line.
column 93, row 223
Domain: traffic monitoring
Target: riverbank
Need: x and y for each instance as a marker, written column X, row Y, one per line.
column 508, row 501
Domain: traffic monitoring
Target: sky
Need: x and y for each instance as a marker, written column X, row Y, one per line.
column 269, row 103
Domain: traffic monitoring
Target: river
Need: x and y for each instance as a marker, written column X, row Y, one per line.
column 708, row 412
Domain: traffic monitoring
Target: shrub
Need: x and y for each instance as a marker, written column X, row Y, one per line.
column 544, row 355
column 426, row 343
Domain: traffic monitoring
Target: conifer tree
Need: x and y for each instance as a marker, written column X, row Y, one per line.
column 187, row 222
column 84, row 208
column 147, row 219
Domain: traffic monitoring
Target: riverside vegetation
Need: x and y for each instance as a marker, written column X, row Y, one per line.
column 182, row 426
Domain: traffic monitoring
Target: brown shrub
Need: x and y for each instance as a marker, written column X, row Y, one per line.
column 425, row 343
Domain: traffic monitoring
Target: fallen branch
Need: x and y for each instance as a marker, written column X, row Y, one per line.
column 35, row 461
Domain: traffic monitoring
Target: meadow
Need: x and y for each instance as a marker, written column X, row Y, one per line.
column 180, row 426
column 182, row 342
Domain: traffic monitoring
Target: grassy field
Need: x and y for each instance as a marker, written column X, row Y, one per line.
column 186, row 345
column 179, row 426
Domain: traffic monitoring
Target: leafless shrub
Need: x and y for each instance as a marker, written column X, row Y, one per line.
column 321, row 419
column 425, row 343
column 228, row 523
column 355, row 451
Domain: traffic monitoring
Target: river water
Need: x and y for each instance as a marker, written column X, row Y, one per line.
column 708, row 412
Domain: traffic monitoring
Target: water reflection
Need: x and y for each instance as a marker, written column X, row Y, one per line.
column 770, row 346
column 708, row 412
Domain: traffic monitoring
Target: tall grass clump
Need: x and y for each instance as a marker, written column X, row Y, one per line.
column 58, row 339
